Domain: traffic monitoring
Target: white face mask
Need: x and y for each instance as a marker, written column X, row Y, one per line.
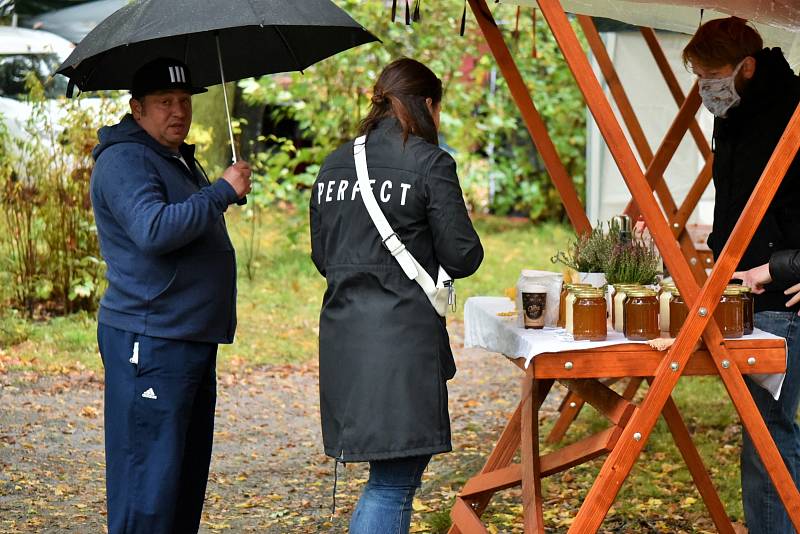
column 719, row 94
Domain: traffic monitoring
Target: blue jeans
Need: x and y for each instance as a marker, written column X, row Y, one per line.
column 763, row 509
column 385, row 503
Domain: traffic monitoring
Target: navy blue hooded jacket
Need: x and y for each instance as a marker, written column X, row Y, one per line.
column 171, row 266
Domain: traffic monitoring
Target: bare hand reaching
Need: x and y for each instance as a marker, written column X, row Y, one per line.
column 238, row 175
column 796, row 298
column 756, row 278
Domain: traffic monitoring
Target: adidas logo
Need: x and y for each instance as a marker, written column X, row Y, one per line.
column 149, row 394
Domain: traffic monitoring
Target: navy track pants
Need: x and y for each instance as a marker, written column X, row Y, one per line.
column 159, row 428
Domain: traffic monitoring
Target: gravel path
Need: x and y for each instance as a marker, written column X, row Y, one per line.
column 268, row 473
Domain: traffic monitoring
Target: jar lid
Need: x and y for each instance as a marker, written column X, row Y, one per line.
column 732, row 291
column 643, row 292
column 739, row 288
column 573, row 289
column 591, row 292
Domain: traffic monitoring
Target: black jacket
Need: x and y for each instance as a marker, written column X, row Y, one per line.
column 743, row 144
column 384, row 352
column 784, row 267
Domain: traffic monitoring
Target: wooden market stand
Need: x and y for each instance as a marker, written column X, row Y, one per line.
column 582, row 371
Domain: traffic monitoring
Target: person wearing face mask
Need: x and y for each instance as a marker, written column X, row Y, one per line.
column 753, row 92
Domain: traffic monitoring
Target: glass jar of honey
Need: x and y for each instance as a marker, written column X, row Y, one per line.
column 664, row 298
column 730, row 314
column 678, row 311
column 748, row 310
column 562, row 310
column 589, row 315
column 641, row 315
column 569, row 300
column 617, row 300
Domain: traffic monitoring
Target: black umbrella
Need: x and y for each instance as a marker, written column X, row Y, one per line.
column 249, row 37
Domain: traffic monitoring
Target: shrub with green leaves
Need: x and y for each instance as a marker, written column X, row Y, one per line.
column 50, row 254
column 500, row 169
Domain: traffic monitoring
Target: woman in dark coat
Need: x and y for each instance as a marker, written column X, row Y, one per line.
column 384, row 351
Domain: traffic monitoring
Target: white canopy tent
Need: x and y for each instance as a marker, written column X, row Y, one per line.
column 778, row 21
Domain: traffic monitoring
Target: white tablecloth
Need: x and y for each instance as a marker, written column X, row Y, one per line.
column 484, row 328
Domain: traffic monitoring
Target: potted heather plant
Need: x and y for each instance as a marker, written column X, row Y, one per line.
column 590, row 253
column 633, row 262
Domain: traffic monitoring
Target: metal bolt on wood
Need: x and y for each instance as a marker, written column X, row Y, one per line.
column 693, row 261
column 702, row 312
column 751, row 360
column 674, row 366
column 568, row 366
column 637, row 436
column 726, row 364
column 572, row 405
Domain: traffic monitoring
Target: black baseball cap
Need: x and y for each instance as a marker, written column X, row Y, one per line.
column 163, row 74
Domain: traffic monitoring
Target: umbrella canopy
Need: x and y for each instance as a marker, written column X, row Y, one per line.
column 255, row 37
column 778, row 21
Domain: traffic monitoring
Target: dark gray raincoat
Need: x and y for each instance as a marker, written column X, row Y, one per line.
column 384, row 352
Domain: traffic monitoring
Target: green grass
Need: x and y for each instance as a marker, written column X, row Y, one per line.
column 278, row 309
column 660, row 474
column 278, row 316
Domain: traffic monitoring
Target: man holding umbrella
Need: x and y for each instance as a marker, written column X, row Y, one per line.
column 171, row 266
column 171, row 299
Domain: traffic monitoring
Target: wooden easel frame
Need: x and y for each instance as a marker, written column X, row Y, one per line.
column 676, row 216
column 631, row 425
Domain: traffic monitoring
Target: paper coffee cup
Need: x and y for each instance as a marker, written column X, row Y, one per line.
column 534, row 302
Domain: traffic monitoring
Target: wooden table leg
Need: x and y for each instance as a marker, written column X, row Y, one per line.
column 531, row 467
column 701, row 478
column 633, row 386
column 570, row 409
column 572, row 404
column 501, row 456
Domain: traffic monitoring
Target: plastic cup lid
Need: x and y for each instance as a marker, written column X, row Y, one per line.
column 533, row 288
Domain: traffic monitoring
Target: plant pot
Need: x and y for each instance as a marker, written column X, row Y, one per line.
column 596, row 279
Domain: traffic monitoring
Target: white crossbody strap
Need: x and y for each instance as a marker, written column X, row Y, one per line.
column 391, row 241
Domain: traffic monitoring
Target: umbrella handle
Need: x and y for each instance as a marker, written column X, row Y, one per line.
column 242, row 201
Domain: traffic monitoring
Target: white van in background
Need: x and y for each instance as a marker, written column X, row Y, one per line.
column 23, row 51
